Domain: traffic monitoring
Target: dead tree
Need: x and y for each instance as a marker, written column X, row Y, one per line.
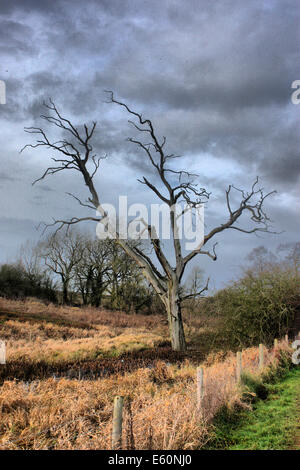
column 76, row 153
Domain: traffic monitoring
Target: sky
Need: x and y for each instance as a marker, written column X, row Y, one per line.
column 213, row 76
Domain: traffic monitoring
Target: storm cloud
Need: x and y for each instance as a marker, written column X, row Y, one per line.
column 214, row 77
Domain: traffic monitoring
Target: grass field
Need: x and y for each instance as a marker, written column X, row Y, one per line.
column 273, row 424
column 51, row 333
column 65, row 365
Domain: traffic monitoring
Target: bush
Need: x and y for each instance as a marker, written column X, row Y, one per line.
column 257, row 308
column 255, row 388
column 16, row 283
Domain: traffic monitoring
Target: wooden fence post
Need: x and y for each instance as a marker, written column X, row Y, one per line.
column 261, row 356
column 286, row 338
column 117, row 423
column 238, row 366
column 200, row 386
column 2, row 352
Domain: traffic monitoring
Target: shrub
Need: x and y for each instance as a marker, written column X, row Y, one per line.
column 255, row 388
column 257, row 308
column 15, row 282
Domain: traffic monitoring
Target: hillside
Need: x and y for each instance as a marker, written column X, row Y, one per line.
column 65, row 366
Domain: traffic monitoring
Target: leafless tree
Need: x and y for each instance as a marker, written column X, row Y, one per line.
column 42, row 282
column 261, row 259
column 292, row 255
column 76, row 153
column 31, row 260
column 62, row 253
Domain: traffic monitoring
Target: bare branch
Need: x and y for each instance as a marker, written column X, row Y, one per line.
column 255, row 208
column 68, row 223
column 197, row 294
column 80, row 202
column 155, row 190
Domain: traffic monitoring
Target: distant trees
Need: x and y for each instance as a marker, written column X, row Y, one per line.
column 91, row 273
column 84, row 269
column 94, row 269
column 260, row 258
column 127, row 287
column 17, row 282
column 287, row 255
column 13, row 282
column 291, row 252
column 62, row 253
column 105, row 270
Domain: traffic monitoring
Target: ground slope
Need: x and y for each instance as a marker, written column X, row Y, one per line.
column 274, row 423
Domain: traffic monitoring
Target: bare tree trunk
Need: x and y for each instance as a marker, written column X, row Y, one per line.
column 173, row 306
column 65, row 294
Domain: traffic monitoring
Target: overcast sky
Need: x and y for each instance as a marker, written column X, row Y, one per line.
column 214, row 76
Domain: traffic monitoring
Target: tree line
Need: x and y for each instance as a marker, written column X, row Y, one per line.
column 71, row 267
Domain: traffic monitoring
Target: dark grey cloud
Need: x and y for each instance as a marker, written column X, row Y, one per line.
column 29, row 6
column 224, row 72
column 15, row 38
column 214, row 77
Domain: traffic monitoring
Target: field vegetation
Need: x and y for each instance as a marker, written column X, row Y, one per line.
column 77, row 360
column 65, row 364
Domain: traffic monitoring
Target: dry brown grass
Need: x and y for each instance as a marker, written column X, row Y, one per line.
column 77, row 414
column 35, row 309
column 52, row 333
column 116, row 331
column 72, row 414
column 54, row 343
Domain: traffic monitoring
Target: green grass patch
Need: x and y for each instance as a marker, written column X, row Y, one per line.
column 270, row 425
